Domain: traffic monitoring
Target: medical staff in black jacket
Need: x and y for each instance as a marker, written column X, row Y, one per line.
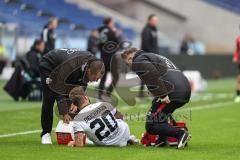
column 26, row 73
column 149, row 40
column 108, row 40
column 48, row 35
column 149, row 36
column 61, row 70
column 169, row 87
column 33, row 57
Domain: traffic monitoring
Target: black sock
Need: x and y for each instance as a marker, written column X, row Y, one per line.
column 238, row 92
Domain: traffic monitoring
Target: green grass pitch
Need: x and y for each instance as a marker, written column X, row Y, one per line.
column 212, row 118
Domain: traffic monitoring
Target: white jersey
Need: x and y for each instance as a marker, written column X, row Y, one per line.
column 100, row 125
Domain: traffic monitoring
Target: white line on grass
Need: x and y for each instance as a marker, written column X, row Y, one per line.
column 205, row 97
column 202, row 107
column 209, row 106
column 19, row 133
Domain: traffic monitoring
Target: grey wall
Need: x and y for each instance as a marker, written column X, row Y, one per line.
column 210, row 66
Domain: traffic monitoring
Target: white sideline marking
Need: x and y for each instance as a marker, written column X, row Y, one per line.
column 210, row 96
column 214, row 105
column 205, row 97
column 19, row 133
column 202, row 107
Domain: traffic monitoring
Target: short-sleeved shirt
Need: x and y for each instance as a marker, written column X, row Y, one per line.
column 101, row 126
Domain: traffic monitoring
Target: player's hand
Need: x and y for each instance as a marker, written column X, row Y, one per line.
column 118, row 115
column 73, row 108
column 166, row 99
column 66, row 118
column 71, row 144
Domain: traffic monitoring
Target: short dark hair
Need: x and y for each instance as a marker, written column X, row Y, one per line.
column 128, row 52
column 96, row 66
column 76, row 95
column 107, row 20
column 37, row 42
column 151, row 16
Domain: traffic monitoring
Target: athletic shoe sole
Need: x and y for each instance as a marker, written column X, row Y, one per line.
column 161, row 144
column 182, row 144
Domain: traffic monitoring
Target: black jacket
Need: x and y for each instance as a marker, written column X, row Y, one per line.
column 107, row 35
column 33, row 57
column 18, row 85
column 15, row 86
column 161, row 76
column 66, row 69
column 92, row 45
column 49, row 37
column 149, row 39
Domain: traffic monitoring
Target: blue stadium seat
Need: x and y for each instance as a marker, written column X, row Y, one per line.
column 231, row 5
column 58, row 8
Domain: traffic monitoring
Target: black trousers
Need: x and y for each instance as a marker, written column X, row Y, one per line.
column 48, row 101
column 141, row 90
column 110, row 67
column 157, row 120
column 2, row 65
column 238, row 68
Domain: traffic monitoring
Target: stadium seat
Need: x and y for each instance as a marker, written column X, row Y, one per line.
column 232, row 5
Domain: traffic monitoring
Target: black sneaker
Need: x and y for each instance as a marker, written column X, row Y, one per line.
column 161, row 143
column 183, row 139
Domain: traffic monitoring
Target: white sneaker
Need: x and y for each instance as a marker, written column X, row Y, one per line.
column 133, row 140
column 46, row 139
column 237, row 99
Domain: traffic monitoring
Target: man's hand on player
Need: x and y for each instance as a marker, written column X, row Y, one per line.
column 66, row 118
column 166, row 99
column 73, row 108
column 118, row 115
column 79, row 139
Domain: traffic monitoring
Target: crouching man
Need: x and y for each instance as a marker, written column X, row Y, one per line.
column 170, row 88
column 100, row 122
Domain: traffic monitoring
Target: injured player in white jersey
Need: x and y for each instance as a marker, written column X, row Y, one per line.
column 101, row 123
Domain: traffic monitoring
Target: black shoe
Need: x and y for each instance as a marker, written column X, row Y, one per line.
column 161, row 143
column 183, row 139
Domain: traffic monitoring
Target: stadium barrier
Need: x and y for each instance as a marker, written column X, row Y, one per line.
column 210, row 66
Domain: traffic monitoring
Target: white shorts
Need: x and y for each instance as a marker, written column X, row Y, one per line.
column 126, row 134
